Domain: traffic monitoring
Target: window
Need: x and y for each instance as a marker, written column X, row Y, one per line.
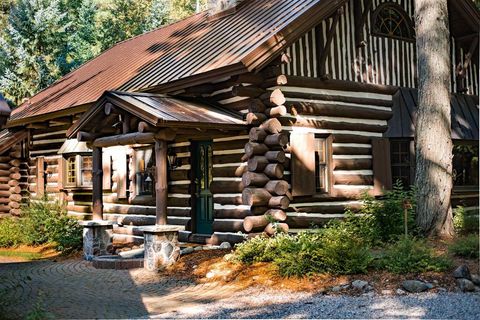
column 78, row 171
column 390, row 20
column 144, row 171
column 465, row 165
column 321, row 165
column 401, row 158
column 71, row 171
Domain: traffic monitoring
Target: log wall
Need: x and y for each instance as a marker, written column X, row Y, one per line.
column 13, row 181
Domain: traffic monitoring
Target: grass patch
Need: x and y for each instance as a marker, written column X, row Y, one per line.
column 19, row 254
column 466, row 247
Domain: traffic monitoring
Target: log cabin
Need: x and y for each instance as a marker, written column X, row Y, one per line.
column 250, row 117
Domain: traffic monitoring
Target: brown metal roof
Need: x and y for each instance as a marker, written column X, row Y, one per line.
column 9, row 138
column 191, row 48
column 465, row 122
column 160, row 111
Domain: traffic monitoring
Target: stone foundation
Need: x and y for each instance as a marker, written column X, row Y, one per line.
column 161, row 247
column 97, row 238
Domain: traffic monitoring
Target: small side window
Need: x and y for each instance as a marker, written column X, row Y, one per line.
column 71, row 168
column 144, row 171
column 321, row 165
column 86, row 171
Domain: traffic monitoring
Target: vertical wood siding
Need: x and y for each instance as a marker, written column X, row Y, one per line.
column 393, row 61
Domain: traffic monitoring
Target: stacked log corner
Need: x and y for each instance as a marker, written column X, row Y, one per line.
column 265, row 191
column 12, row 173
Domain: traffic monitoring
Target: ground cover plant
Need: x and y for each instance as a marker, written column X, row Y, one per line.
column 466, row 246
column 42, row 222
column 371, row 238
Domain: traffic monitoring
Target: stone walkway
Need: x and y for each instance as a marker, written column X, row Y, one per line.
column 74, row 289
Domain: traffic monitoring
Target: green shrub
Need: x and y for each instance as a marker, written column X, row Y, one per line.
column 265, row 249
column 465, row 221
column 42, row 222
column 409, row 255
column 11, row 233
column 466, row 247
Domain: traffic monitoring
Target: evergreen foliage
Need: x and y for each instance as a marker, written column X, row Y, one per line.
column 42, row 40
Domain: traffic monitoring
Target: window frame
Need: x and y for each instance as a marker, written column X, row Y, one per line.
column 78, row 169
column 411, row 160
column 135, row 194
column 327, row 164
column 401, row 11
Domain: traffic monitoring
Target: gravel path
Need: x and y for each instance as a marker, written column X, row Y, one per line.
column 257, row 303
column 74, row 289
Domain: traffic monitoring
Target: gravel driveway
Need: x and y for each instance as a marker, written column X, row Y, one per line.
column 74, row 289
column 258, row 303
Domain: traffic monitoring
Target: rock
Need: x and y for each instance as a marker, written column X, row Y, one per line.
column 345, row 286
column 336, row 289
column 369, row 294
column 368, row 288
column 462, row 272
column 187, row 250
column 210, row 275
column 199, row 248
column 475, row 278
column 225, row 245
column 429, row 285
column 359, row 284
column 414, row 286
column 465, row 285
column 442, row 290
column 389, row 292
column 401, row 292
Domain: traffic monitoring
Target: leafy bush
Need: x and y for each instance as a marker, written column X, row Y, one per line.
column 42, row 222
column 466, row 247
column 334, row 249
column 11, row 233
column 465, row 221
column 411, row 255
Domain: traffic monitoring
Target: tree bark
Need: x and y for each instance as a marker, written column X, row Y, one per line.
column 433, row 176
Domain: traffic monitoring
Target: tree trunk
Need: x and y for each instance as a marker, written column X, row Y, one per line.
column 433, row 176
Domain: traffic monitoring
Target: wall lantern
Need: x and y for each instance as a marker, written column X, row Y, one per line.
column 172, row 159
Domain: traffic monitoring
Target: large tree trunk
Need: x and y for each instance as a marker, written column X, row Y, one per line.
column 433, row 176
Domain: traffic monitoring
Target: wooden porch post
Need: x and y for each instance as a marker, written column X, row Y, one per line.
column 97, row 194
column 161, row 187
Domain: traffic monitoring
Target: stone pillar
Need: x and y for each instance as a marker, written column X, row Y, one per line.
column 97, row 238
column 161, row 246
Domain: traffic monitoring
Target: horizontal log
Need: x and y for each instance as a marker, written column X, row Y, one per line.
column 4, row 186
column 325, row 208
column 279, row 202
column 274, row 170
column 251, row 179
column 226, row 186
column 15, row 212
column 4, row 173
column 255, row 119
column 11, row 183
column 274, row 98
column 257, row 164
column 228, row 226
column 277, row 187
column 352, row 164
column 228, row 200
column 179, row 175
column 306, row 221
column 278, row 111
column 228, row 158
column 218, row 238
column 4, row 208
column 275, row 214
column 256, row 106
column 253, row 223
column 179, row 202
column 252, row 78
column 253, row 149
column 350, row 138
column 335, row 110
column 272, row 126
column 247, row 91
column 13, row 204
column 333, row 125
column 227, row 145
column 236, row 213
column 5, row 166
column 273, row 228
column 352, row 151
column 274, row 140
column 233, row 171
column 14, row 170
column 258, row 210
column 255, row 197
column 133, row 138
column 15, row 197
column 275, row 156
column 5, row 159
column 257, row 134
column 15, row 154
column 15, row 176
column 351, row 179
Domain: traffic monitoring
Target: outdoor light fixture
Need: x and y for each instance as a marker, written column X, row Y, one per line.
column 172, row 159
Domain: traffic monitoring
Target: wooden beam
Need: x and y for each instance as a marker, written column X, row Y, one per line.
column 161, row 185
column 134, row 138
column 97, row 192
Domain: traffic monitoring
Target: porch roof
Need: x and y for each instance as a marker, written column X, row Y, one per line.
column 161, row 111
column 8, row 138
column 465, row 118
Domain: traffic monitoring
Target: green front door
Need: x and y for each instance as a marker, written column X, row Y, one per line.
column 202, row 167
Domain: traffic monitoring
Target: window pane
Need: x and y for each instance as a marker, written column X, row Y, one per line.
column 144, row 171
column 321, row 165
column 400, row 159
column 86, row 170
column 71, row 171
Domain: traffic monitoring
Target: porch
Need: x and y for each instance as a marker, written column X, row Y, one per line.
column 163, row 161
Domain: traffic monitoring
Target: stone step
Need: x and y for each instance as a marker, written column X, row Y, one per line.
column 126, row 239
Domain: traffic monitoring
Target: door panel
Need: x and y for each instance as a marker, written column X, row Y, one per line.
column 202, row 151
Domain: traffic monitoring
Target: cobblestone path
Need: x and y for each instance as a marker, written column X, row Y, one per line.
column 74, row 289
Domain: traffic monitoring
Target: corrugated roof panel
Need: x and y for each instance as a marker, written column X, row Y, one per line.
column 184, row 49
